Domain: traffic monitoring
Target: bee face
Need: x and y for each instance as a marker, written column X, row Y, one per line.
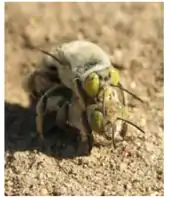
column 96, row 81
column 100, row 86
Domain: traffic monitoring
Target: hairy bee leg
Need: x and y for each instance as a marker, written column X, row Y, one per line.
column 85, row 136
column 62, row 115
column 124, row 130
column 113, row 135
column 79, row 93
column 77, row 117
column 122, row 95
column 39, row 126
column 40, row 109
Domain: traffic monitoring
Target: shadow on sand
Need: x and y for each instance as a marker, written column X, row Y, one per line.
column 20, row 134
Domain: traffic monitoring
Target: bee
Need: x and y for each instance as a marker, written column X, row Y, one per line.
column 85, row 69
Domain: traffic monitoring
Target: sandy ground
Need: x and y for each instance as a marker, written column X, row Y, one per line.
column 132, row 34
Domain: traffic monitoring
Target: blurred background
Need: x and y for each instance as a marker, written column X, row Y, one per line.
column 132, row 35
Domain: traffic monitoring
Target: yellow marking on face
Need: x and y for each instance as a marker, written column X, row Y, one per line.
column 108, row 94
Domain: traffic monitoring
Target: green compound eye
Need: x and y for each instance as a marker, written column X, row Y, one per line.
column 96, row 121
column 114, row 76
column 91, row 84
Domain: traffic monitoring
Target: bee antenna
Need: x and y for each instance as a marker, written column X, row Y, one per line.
column 132, row 94
column 131, row 123
column 47, row 53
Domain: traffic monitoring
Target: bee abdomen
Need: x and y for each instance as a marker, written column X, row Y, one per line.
column 39, row 81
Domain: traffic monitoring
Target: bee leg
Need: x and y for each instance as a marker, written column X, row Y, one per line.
column 39, row 126
column 79, row 93
column 124, row 130
column 62, row 115
column 113, row 136
column 41, row 109
column 117, row 127
column 77, row 117
column 86, row 138
column 70, row 114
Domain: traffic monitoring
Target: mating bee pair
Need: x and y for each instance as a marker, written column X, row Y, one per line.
column 93, row 99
